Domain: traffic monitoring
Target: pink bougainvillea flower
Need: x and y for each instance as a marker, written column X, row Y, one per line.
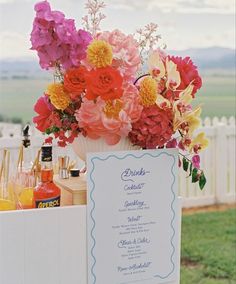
column 79, row 47
column 56, row 39
column 66, row 31
column 42, row 8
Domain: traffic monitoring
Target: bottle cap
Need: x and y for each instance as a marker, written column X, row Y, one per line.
column 74, row 172
column 25, row 133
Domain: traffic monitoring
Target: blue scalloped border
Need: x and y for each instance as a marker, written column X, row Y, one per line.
column 93, row 207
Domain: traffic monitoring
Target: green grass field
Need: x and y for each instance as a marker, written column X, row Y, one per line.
column 217, row 96
column 209, row 248
column 17, row 97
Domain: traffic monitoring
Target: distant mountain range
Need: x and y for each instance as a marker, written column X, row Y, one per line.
column 26, row 68
column 212, row 58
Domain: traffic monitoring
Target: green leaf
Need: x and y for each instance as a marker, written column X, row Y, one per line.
column 195, row 177
column 55, row 129
column 202, row 181
column 191, row 169
column 185, row 164
column 48, row 131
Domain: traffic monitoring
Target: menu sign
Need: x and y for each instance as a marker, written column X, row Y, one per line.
column 132, row 217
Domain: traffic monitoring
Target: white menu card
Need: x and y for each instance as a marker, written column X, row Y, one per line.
column 132, row 217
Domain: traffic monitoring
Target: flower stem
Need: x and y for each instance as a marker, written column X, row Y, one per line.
column 145, row 75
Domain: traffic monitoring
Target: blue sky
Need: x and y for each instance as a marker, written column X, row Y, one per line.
column 182, row 23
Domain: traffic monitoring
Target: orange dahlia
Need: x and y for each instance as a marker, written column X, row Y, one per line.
column 58, row 96
column 99, row 53
column 148, row 91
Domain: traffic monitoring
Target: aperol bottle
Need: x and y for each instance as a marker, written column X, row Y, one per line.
column 46, row 193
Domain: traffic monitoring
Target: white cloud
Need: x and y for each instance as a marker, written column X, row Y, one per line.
column 179, row 42
column 180, row 6
column 14, row 1
column 13, row 44
column 6, row 1
column 178, row 30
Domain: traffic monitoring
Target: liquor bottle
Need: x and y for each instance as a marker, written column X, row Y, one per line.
column 46, row 193
column 27, row 150
column 25, row 179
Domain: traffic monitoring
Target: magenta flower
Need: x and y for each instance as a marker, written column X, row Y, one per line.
column 196, row 161
column 78, row 50
column 66, row 31
column 42, row 8
column 56, row 39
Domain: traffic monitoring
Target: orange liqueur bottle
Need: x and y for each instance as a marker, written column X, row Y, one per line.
column 46, row 193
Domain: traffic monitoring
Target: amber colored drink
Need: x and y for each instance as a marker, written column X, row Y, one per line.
column 6, row 205
column 7, row 197
column 26, row 198
column 46, row 193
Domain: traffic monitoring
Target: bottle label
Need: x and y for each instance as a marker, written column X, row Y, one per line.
column 46, row 153
column 46, row 203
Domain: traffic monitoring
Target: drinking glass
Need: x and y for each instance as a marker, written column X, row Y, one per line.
column 7, row 196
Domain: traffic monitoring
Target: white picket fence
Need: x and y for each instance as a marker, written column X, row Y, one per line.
column 218, row 161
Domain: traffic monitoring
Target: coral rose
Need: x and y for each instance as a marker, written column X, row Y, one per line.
column 95, row 123
column 132, row 102
column 89, row 117
column 153, row 129
column 104, row 82
column 75, row 81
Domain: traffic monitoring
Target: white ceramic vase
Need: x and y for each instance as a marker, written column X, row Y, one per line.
column 83, row 145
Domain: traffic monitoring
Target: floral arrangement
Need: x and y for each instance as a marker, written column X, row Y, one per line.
column 101, row 89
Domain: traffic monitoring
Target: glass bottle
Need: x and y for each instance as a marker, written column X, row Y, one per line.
column 46, row 193
column 27, row 150
column 25, row 180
